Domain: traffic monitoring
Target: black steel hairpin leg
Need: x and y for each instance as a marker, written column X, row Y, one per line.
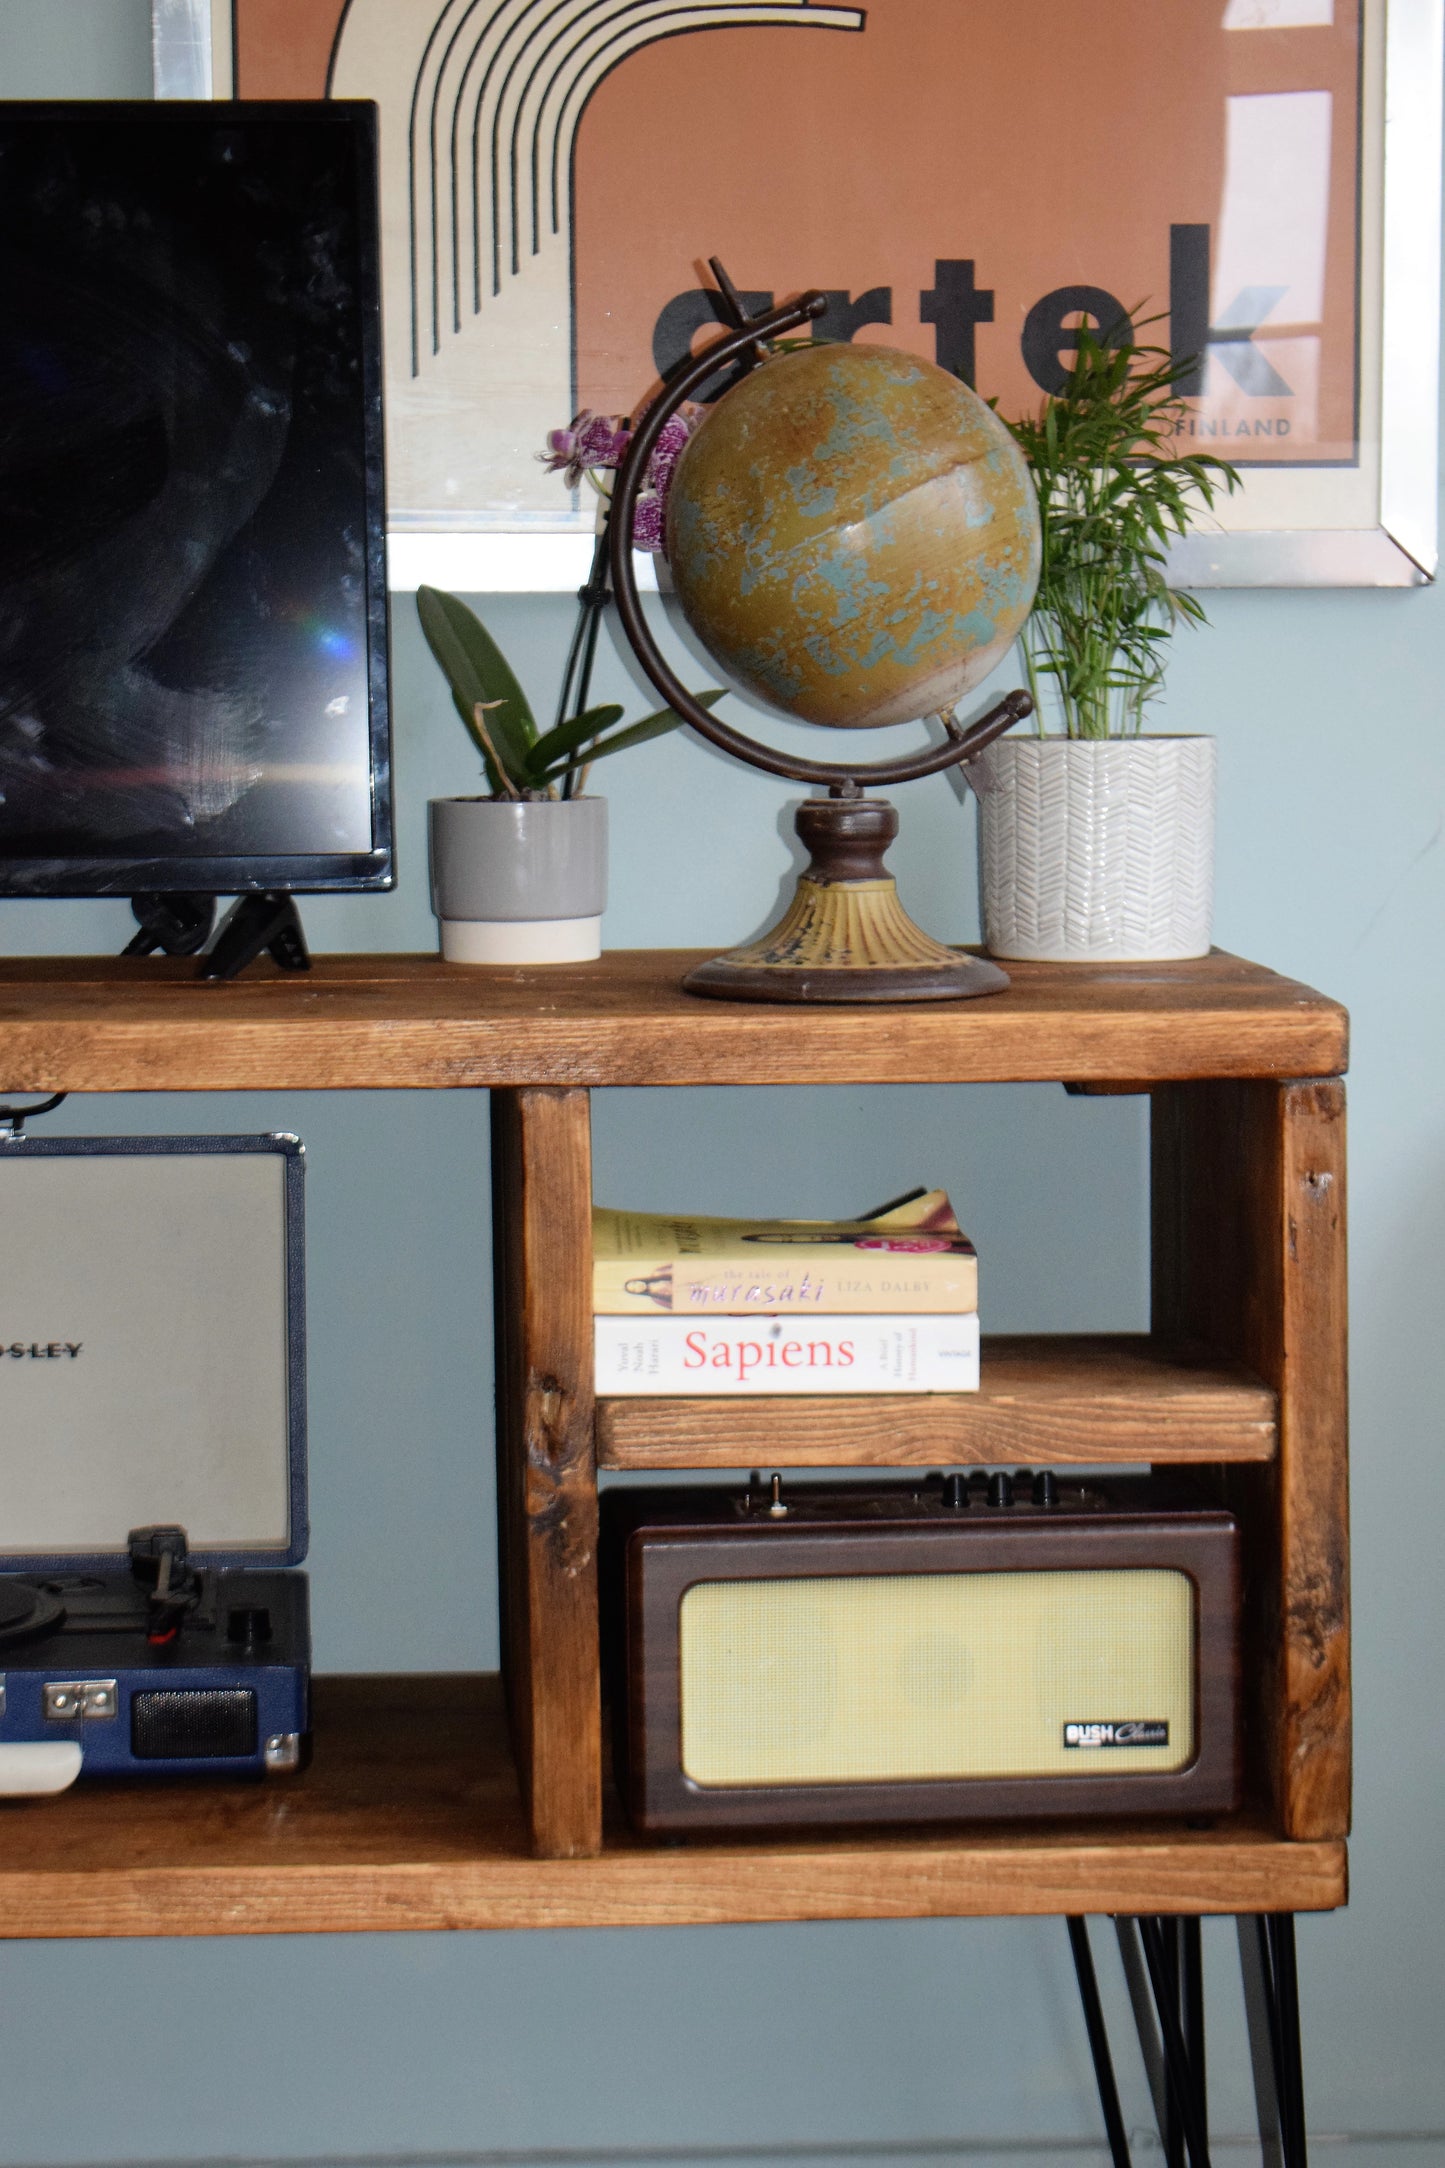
column 1173, row 2121
column 1184, row 1960
column 1182, row 2085
column 1099, row 2043
column 1176, row 2093
column 1271, row 1994
column 1280, row 1932
column 1136, row 1979
column 1164, row 1972
column 1191, row 1995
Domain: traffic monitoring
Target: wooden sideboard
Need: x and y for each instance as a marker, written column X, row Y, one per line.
column 418, row 1812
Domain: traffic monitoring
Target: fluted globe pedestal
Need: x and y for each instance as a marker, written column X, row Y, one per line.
column 845, row 936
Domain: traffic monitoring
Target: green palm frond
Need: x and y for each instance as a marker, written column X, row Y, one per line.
column 1113, row 493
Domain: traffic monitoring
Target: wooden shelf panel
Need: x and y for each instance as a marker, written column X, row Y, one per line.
column 1041, row 1399
column 410, row 1819
column 395, row 1022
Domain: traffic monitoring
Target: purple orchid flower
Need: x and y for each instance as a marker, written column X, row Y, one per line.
column 647, row 522
column 597, row 442
column 593, row 440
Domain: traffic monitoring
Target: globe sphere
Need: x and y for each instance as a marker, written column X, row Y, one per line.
column 853, row 536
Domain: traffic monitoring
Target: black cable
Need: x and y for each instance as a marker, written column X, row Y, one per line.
column 15, row 1118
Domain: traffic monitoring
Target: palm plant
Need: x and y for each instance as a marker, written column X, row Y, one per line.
column 1112, row 495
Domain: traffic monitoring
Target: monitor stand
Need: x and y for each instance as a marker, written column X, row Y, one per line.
column 268, row 921
column 181, row 925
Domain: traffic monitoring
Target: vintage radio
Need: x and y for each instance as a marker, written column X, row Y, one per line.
column 951, row 1648
column 152, row 1458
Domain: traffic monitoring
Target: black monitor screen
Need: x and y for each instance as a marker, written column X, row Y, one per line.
column 192, row 582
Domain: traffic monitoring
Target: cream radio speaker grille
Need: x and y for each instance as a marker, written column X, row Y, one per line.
column 927, row 1675
column 898, row 1652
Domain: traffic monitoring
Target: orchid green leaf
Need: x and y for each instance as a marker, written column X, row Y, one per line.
column 479, row 675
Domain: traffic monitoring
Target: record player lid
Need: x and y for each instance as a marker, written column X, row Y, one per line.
column 152, row 1348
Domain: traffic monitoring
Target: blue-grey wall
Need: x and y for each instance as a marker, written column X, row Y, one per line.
column 1328, row 712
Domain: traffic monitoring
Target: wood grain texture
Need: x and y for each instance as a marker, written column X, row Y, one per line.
column 410, row 1818
column 546, row 1473
column 1094, row 1398
column 1249, row 1253
column 395, row 1022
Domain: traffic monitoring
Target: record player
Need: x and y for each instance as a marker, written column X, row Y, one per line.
column 152, row 1459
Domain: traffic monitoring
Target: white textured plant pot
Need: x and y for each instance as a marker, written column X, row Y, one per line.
column 519, row 881
column 1096, row 850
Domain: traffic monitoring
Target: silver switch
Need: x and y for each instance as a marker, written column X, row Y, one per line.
column 65, row 1700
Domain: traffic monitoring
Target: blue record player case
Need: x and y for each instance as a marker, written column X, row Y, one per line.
column 152, row 1455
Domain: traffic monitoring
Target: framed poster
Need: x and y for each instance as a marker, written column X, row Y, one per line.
column 1254, row 184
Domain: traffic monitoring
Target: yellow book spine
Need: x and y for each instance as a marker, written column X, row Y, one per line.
column 646, row 1266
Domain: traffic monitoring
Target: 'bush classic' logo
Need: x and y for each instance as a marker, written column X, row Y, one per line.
column 1137, row 1732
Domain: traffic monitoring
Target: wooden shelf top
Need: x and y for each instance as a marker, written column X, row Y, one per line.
column 410, row 1819
column 398, row 1022
column 1082, row 1398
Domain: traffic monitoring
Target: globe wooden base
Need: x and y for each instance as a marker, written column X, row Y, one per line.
column 845, row 936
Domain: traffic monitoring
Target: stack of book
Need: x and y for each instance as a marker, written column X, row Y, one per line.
column 883, row 1304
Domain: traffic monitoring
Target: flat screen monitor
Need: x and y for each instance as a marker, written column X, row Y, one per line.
column 193, row 665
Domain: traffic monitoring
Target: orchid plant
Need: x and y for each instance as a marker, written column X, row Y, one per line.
column 522, row 760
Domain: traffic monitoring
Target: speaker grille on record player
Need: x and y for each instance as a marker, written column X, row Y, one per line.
column 193, row 1724
column 889, row 1677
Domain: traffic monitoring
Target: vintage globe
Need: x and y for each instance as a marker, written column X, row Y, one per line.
column 853, row 536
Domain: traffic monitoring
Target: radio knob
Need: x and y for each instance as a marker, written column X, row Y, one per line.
column 955, row 1491
column 1046, row 1488
column 1000, row 1490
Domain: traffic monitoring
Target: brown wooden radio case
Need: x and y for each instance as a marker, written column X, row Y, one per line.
column 660, row 1545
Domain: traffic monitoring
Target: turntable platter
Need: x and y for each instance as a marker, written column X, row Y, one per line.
column 26, row 1611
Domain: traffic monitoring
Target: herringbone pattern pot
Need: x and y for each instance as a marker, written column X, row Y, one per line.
column 1096, row 849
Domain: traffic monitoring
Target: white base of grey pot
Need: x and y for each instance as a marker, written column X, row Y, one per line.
column 1096, row 850
column 519, row 880
column 522, row 940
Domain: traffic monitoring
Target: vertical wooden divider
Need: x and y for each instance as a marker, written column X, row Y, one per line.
column 546, row 1459
column 1249, row 1257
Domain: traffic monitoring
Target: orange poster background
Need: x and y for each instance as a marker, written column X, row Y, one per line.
column 283, row 47
column 1050, row 142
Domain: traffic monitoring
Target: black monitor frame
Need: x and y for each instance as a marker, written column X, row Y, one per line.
column 302, row 873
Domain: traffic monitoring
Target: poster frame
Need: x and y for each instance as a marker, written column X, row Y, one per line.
column 191, row 58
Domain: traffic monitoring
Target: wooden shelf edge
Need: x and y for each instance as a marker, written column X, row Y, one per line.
column 883, row 1880
column 1082, row 1398
column 410, row 1820
column 412, row 1022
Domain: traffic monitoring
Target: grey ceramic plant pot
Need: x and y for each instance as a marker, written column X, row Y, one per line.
column 519, row 881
